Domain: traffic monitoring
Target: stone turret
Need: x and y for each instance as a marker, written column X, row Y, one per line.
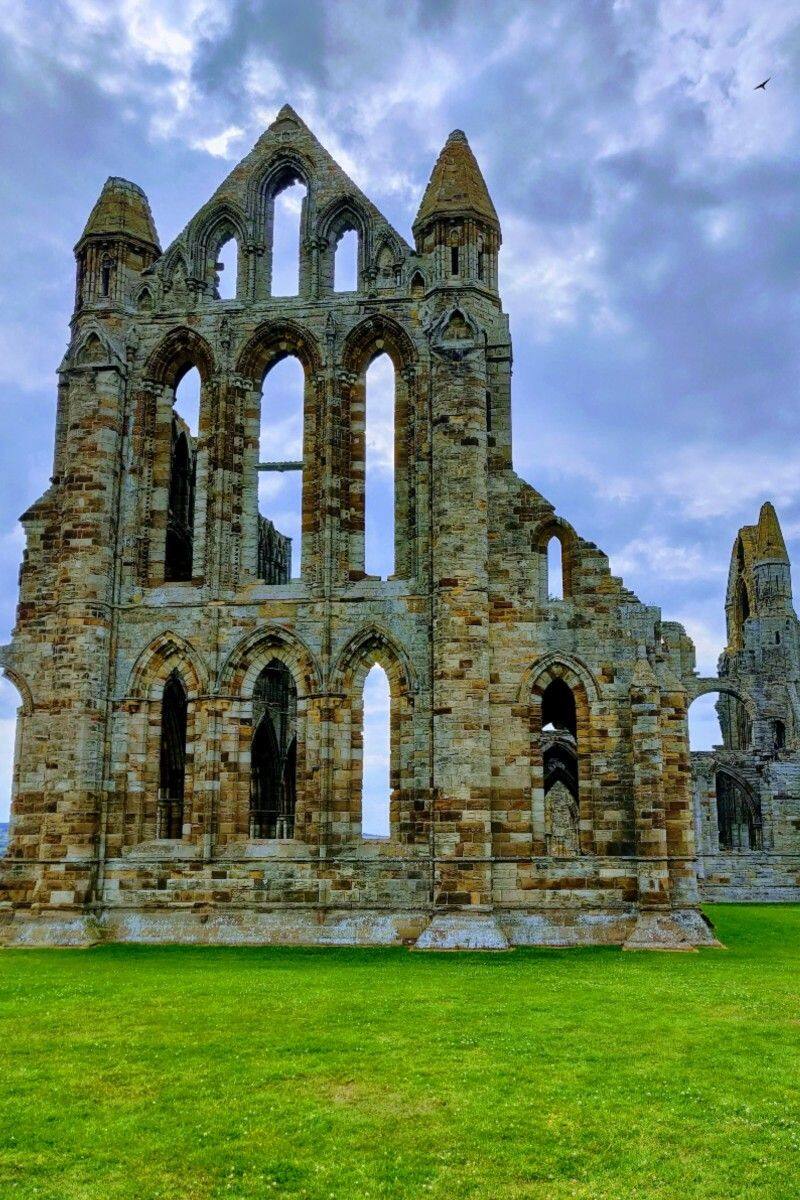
column 457, row 224
column 771, row 571
column 117, row 244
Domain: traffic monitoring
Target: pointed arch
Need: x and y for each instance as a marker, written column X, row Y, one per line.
column 177, row 352
column 272, row 341
column 172, row 757
column 570, row 668
column 164, row 654
column 556, row 527
column 238, row 690
column 210, row 230
column 245, row 661
column 377, row 644
column 343, row 213
column 94, row 346
column 285, row 168
column 376, row 335
column 371, row 338
column 563, row 754
column 740, row 826
column 370, row 646
column 417, row 284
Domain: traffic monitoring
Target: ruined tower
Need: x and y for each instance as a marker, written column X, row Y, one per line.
column 747, row 790
column 189, row 762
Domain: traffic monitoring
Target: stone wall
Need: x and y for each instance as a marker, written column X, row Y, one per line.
column 474, row 646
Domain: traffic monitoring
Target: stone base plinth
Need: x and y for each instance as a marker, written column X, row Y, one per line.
column 682, row 929
column 462, row 931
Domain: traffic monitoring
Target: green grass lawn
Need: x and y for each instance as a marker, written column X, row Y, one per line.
column 188, row 1074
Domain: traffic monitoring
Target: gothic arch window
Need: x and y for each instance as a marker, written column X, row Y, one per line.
column 172, row 769
column 226, row 269
column 376, row 754
column 379, row 468
column 738, row 815
column 106, row 275
column 779, row 735
column 555, row 569
column 280, row 473
column 346, row 255
column 559, row 748
column 417, row 285
column 273, row 754
column 556, row 557
column 743, row 605
column 379, row 493
column 179, row 546
column 287, row 209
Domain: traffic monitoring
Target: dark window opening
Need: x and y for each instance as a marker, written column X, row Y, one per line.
column 180, row 511
column 105, row 276
column 480, row 265
column 558, row 707
column 488, row 412
column 738, row 815
column 780, row 735
column 560, row 766
column 777, row 639
column 172, row 775
column 179, row 550
column 454, row 260
column 273, row 755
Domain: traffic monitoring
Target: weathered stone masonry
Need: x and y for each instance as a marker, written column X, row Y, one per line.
column 189, row 743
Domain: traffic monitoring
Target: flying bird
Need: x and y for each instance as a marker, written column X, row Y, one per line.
column 763, row 85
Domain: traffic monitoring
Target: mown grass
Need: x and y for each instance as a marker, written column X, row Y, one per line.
column 160, row 1073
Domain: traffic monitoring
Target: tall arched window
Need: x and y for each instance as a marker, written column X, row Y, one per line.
column 559, row 745
column 738, row 815
column 286, row 233
column 555, row 569
column 280, row 479
column 273, row 754
column 379, row 444
column 172, row 774
column 179, row 549
column 9, row 702
column 376, row 755
column 226, row 268
column 345, row 270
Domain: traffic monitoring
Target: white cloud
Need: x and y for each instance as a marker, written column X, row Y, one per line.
column 656, row 557
column 219, row 144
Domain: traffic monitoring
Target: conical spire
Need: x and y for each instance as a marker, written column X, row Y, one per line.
column 122, row 209
column 769, row 539
column 456, row 186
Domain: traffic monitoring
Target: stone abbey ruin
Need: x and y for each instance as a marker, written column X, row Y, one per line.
column 189, row 742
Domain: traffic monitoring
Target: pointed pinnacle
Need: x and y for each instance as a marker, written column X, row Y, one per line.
column 769, row 538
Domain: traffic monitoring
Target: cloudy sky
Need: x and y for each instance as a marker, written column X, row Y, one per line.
column 649, row 198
